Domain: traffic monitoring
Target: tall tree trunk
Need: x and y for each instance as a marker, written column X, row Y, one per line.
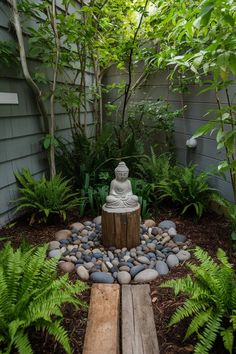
column 37, row 92
column 52, row 16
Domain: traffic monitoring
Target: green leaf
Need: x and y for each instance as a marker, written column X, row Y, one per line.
column 232, row 63
column 233, row 235
column 223, row 166
column 205, row 129
column 228, row 338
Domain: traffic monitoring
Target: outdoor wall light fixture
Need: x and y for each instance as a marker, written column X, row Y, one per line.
column 191, row 143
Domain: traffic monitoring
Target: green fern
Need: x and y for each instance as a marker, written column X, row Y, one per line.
column 31, row 296
column 187, row 189
column 211, row 300
column 44, row 197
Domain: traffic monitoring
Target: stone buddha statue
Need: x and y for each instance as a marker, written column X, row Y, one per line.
column 121, row 196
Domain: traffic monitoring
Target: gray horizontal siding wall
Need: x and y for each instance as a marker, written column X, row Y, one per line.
column 205, row 155
column 21, row 129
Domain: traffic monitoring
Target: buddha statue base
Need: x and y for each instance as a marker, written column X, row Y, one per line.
column 121, row 227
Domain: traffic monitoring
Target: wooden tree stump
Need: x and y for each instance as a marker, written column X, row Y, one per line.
column 121, row 229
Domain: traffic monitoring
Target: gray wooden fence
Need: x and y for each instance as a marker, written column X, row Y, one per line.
column 20, row 127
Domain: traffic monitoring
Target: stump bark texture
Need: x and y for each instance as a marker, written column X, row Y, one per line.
column 121, row 229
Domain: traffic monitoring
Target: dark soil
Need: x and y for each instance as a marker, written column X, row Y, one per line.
column 210, row 233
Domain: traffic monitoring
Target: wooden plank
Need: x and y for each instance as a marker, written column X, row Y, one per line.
column 138, row 326
column 102, row 333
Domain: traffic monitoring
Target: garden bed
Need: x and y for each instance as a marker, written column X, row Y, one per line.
column 210, row 233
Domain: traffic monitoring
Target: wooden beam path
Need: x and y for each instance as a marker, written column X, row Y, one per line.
column 138, row 332
column 137, row 321
column 102, row 333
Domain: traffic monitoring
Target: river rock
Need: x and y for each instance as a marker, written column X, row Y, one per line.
column 167, row 224
column 123, row 277
column 179, row 239
column 99, row 277
column 62, row 235
column 104, row 268
column 183, row 255
column 172, row 261
column 143, row 260
column 66, row 267
column 53, row 245
column 137, row 269
column 124, row 269
column 146, row 276
column 162, row 268
column 151, row 246
column 77, row 226
column 83, row 273
column 98, row 220
column 54, row 253
column 172, row 231
column 149, row 223
column 165, row 239
column 89, row 265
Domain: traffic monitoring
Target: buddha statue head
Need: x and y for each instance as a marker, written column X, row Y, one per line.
column 121, row 172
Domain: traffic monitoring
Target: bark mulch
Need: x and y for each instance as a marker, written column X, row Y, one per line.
column 211, row 232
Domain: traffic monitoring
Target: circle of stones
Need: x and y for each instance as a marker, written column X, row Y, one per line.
column 80, row 249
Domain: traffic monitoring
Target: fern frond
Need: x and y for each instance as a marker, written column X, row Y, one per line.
column 22, row 344
column 198, row 321
column 208, row 337
column 189, row 308
column 60, row 335
column 228, row 338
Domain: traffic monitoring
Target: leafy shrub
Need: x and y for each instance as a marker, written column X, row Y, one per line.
column 229, row 211
column 211, row 303
column 153, row 115
column 154, row 168
column 187, row 189
column 90, row 156
column 144, row 192
column 31, row 297
column 43, row 197
column 94, row 196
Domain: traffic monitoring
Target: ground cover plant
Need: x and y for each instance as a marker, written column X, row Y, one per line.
column 43, row 198
column 31, row 297
column 211, row 306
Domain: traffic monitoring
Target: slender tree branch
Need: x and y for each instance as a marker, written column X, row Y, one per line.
column 128, row 85
column 37, row 92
